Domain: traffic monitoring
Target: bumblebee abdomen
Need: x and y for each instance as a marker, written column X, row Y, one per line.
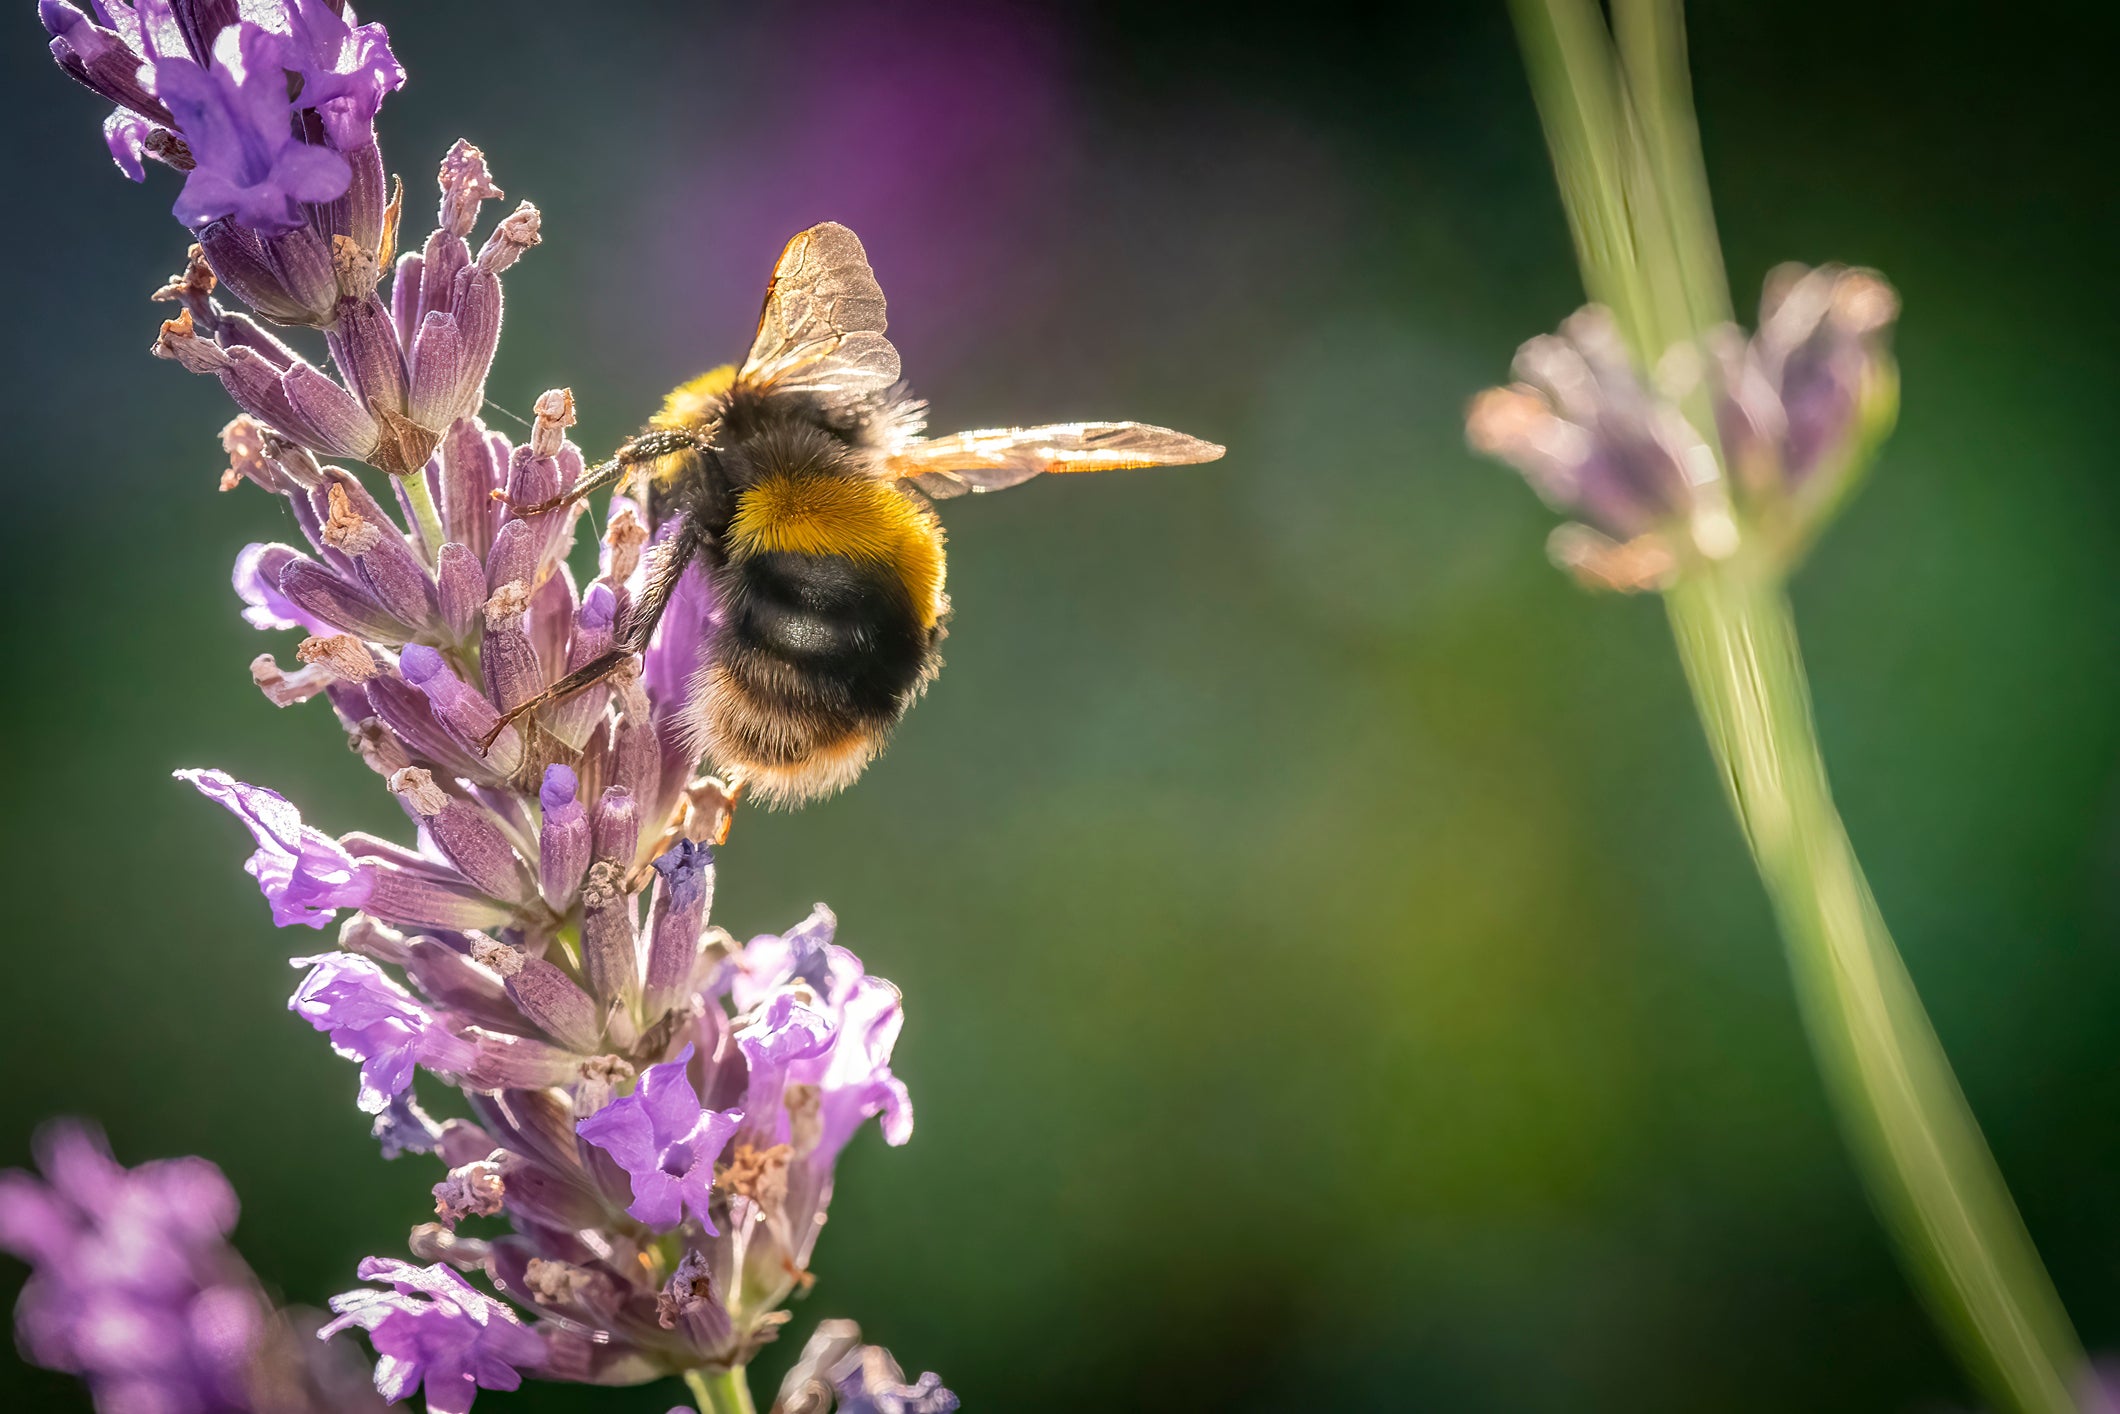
column 817, row 658
column 825, row 634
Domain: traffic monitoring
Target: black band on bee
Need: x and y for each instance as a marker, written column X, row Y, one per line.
column 824, row 638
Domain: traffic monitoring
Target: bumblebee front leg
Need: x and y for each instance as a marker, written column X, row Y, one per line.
column 648, row 447
column 676, row 557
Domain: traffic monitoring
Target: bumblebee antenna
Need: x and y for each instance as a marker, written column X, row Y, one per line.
column 649, row 446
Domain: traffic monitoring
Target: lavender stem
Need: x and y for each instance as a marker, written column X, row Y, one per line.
column 1617, row 109
column 423, row 508
column 1929, row 1170
column 721, row 1392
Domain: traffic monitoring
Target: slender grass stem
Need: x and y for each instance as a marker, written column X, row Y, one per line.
column 1928, row 1168
column 721, row 1391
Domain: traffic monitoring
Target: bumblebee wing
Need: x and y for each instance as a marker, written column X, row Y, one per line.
column 995, row 457
column 821, row 330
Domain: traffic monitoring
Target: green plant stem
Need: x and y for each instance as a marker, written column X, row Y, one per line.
column 1928, row 1168
column 721, row 1391
column 423, row 511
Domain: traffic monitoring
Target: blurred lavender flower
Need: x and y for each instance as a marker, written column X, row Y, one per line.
column 1797, row 409
column 835, row 1367
column 135, row 1289
column 1802, row 406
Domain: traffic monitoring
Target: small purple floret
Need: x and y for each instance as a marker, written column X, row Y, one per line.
column 235, row 117
column 306, row 875
column 667, row 1143
column 436, row 1330
column 376, row 1022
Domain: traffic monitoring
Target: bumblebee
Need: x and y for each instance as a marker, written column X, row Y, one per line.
column 801, row 481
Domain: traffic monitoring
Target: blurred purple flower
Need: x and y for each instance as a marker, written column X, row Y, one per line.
column 434, row 1329
column 135, row 1289
column 835, row 1368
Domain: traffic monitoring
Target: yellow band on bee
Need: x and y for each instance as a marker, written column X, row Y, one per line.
column 687, row 403
column 849, row 517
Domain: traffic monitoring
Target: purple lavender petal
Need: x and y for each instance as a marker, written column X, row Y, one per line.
column 127, row 134
column 345, row 70
column 257, row 582
column 771, row 960
column 304, row 874
column 784, row 1032
column 666, row 1143
column 854, row 1077
column 237, row 121
column 372, row 1020
column 435, row 1330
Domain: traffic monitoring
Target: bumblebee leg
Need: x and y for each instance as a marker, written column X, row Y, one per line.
column 647, row 447
column 640, row 624
column 587, row 675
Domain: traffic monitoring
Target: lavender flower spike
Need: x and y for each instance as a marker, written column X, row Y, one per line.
column 655, row 1112
column 667, row 1143
column 433, row 1329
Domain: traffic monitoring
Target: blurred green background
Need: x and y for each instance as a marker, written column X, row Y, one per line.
column 1332, row 979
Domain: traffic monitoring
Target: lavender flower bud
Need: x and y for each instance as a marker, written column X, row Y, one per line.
column 280, row 284
column 461, row 583
column 356, row 526
column 563, row 843
column 594, row 632
column 410, row 716
column 1802, row 405
column 544, row 993
column 466, row 713
column 609, row 956
column 471, row 459
column 467, row 834
column 513, row 675
column 412, row 899
column 684, row 890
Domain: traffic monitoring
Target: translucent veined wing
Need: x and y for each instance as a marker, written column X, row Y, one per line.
column 994, row 457
column 821, row 330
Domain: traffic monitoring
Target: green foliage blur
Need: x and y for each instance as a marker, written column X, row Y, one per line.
column 1332, row 979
